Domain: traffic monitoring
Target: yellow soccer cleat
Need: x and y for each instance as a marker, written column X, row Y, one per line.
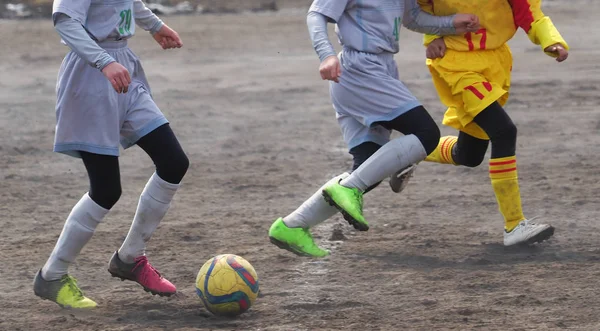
column 64, row 292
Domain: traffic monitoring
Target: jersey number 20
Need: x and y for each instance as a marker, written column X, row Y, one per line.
column 125, row 24
column 397, row 25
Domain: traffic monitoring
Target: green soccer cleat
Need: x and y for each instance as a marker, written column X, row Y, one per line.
column 64, row 292
column 296, row 240
column 349, row 202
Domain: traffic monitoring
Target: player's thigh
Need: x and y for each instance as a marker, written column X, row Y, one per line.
column 474, row 79
column 87, row 110
column 418, row 122
column 165, row 151
column 143, row 115
column 477, row 92
column 368, row 91
column 355, row 133
column 363, row 152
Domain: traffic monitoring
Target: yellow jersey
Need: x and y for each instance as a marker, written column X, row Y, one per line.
column 499, row 21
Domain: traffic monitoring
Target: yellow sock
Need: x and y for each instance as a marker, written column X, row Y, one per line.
column 503, row 173
column 443, row 151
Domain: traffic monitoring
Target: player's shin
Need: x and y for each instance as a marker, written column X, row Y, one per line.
column 77, row 231
column 292, row 232
column 154, row 202
column 396, row 154
column 347, row 195
column 443, row 151
column 503, row 174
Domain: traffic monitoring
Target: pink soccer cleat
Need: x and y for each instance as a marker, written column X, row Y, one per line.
column 142, row 273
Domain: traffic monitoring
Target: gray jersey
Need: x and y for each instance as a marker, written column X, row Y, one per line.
column 106, row 20
column 373, row 26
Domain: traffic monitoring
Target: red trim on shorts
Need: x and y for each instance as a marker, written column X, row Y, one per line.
column 475, row 91
column 487, row 86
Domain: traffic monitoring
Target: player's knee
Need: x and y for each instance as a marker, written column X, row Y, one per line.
column 508, row 132
column 429, row 136
column 504, row 140
column 106, row 195
column 174, row 168
column 362, row 152
column 182, row 165
column 472, row 160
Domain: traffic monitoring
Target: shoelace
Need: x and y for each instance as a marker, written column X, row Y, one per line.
column 529, row 221
column 146, row 272
column 307, row 231
column 72, row 284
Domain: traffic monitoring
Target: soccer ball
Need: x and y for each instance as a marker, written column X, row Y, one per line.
column 227, row 285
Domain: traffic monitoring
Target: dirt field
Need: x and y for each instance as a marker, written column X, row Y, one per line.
column 245, row 99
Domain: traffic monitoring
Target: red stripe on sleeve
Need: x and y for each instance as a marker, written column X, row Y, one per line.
column 522, row 14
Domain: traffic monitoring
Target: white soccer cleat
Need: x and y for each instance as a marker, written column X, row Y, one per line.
column 400, row 179
column 528, row 232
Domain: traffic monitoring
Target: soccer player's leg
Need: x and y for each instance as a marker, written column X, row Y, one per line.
column 292, row 232
column 503, row 175
column 461, row 83
column 470, row 94
column 363, row 141
column 145, row 120
column 420, row 137
column 469, row 151
column 385, row 100
column 53, row 282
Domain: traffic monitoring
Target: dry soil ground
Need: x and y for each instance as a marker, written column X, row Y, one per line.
column 245, row 99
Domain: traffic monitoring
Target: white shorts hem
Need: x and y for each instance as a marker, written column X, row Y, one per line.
column 393, row 114
column 127, row 142
column 73, row 149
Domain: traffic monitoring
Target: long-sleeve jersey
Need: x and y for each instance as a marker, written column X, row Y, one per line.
column 371, row 26
column 499, row 20
column 83, row 23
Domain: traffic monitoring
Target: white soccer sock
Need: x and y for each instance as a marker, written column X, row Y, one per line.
column 154, row 202
column 313, row 211
column 391, row 157
column 77, row 231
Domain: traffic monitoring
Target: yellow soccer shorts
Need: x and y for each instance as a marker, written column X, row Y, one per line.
column 468, row 82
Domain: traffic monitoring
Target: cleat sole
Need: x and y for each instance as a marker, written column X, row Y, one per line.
column 288, row 247
column 162, row 294
column 351, row 220
column 542, row 236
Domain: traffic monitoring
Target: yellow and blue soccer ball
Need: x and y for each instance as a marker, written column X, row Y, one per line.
column 227, row 285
